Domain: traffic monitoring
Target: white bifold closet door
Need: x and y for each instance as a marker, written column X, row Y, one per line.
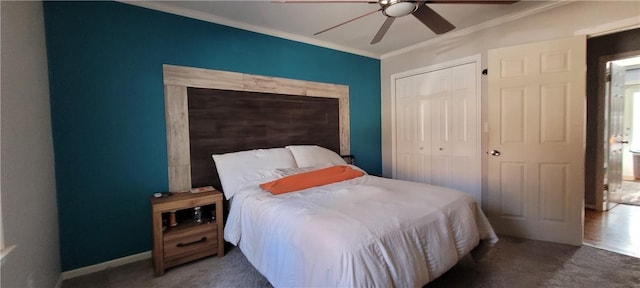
column 437, row 128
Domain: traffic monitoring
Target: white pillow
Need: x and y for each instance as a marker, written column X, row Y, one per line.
column 237, row 170
column 284, row 172
column 312, row 155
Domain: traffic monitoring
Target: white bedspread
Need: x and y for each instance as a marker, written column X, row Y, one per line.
column 364, row 232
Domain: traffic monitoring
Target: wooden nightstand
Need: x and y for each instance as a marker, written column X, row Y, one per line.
column 188, row 240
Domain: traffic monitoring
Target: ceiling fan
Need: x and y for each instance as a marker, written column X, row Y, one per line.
column 393, row 9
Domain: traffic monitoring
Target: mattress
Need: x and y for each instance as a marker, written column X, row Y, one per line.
column 365, row 232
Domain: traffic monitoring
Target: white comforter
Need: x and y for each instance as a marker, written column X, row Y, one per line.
column 364, row 232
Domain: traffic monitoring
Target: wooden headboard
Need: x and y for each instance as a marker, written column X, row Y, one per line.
column 222, row 121
column 230, row 113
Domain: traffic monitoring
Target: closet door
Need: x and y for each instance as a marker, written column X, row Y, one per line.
column 406, row 133
column 413, row 140
column 437, row 126
column 464, row 141
column 433, row 96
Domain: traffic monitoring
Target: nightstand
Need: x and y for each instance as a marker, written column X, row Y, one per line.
column 177, row 237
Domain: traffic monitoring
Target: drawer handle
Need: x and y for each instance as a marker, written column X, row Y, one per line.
column 191, row 243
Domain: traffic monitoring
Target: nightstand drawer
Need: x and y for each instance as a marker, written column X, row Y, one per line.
column 204, row 238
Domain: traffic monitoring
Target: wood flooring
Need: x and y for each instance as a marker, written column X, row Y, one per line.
column 616, row 230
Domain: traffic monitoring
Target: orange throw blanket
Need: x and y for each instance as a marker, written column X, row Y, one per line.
column 311, row 179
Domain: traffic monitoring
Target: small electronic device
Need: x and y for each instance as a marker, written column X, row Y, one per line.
column 161, row 195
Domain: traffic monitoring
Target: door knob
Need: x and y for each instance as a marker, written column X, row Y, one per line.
column 624, row 142
column 494, row 152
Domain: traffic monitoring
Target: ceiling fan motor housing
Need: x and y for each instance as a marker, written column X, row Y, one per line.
column 398, row 8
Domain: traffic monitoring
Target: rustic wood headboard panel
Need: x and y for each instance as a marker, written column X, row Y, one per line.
column 177, row 79
column 222, row 121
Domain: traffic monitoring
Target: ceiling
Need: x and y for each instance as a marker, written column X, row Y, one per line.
column 300, row 21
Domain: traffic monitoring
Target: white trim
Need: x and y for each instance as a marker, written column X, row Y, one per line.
column 5, row 251
column 477, row 59
column 159, row 6
column 105, row 265
column 611, row 27
column 484, row 25
column 59, row 282
column 434, row 67
column 590, row 206
column 610, row 250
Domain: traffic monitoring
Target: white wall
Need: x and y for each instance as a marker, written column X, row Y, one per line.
column 27, row 185
column 559, row 22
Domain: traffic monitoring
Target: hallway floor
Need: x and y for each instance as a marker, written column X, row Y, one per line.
column 616, row 230
column 630, row 192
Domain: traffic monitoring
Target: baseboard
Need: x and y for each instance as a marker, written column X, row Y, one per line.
column 59, row 283
column 105, row 265
column 590, row 206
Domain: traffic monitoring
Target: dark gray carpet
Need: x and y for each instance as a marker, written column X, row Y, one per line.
column 512, row 262
column 517, row 262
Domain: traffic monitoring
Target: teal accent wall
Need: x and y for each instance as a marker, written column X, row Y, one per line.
column 107, row 106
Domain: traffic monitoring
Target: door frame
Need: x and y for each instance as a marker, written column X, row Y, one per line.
column 477, row 59
column 600, row 204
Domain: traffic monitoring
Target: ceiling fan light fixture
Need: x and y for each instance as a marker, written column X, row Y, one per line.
column 398, row 8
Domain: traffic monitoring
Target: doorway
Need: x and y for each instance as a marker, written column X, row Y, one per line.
column 612, row 223
column 617, row 227
column 622, row 132
column 629, row 190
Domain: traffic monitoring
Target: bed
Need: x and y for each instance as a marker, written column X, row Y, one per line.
column 367, row 231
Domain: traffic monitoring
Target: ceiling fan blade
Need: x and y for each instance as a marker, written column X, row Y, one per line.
column 433, row 20
column 345, row 22
column 470, row 1
column 323, row 2
column 383, row 30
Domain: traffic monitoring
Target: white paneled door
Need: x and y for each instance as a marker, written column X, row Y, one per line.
column 536, row 119
column 437, row 127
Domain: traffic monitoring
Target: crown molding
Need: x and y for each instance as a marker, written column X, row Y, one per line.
column 612, row 27
column 159, row 6
column 484, row 25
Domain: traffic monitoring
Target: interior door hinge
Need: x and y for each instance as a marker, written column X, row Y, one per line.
column 608, row 77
